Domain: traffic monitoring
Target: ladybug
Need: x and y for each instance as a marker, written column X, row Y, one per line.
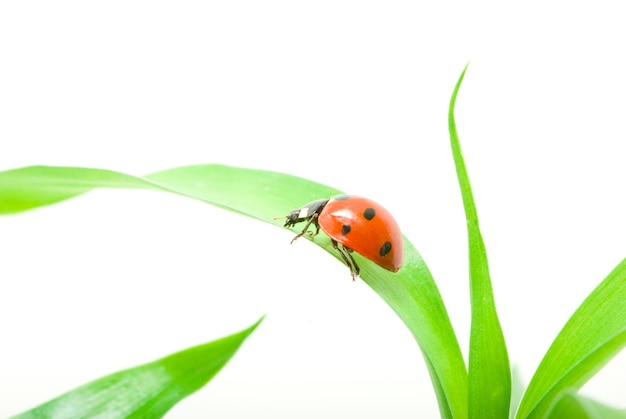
column 354, row 224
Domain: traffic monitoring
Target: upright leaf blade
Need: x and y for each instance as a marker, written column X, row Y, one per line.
column 594, row 334
column 264, row 195
column 489, row 370
column 147, row 391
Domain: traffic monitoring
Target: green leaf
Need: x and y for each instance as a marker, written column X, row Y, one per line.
column 147, row 391
column 31, row 187
column 489, row 370
column 594, row 334
column 264, row 195
column 575, row 406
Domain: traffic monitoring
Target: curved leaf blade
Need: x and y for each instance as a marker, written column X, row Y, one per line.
column 489, row 369
column 594, row 334
column 411, row 293
column 146, row 391
column 264, row 195
column 35, row 186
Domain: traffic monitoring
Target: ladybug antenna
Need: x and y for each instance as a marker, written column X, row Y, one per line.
column 280, row 218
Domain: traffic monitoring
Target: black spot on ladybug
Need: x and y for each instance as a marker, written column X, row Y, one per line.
column 385, row 249
column 369, row 213
column 345, row 229
column 341, row 197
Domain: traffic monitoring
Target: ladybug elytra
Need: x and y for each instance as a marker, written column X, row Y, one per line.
column 354, row 224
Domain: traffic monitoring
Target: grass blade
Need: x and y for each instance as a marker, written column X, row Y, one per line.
column 489, row 370
column 411, row 292
column 147, row 391
column 35, row 186
column 263, row 195
column 594, row 334
column 574, row 406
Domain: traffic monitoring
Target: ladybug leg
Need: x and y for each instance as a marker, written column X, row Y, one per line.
column 346, row 255
column 312, row 220
column 355, row 270
column 317, row 230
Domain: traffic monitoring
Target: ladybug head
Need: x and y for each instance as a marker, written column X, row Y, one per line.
column 293, row 218
column 306, row 212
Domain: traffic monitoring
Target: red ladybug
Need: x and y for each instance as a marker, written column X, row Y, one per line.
column 354, row 224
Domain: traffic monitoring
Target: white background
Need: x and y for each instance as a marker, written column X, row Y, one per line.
column 352, row 94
